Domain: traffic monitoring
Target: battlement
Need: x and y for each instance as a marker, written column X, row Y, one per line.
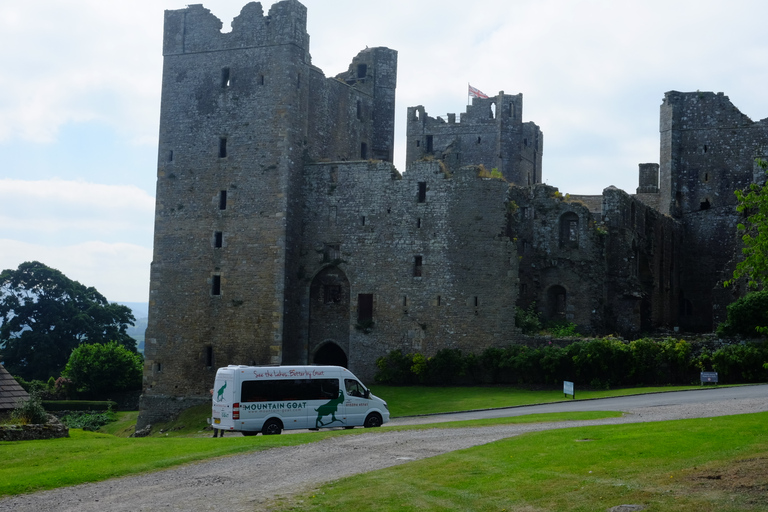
column 482, row 111
column 195, row 29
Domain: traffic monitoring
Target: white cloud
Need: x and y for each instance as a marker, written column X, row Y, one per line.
column 119, row 271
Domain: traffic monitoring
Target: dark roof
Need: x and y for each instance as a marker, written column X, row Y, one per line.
column 10, row 390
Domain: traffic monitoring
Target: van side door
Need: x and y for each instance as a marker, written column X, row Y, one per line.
column 356, row 403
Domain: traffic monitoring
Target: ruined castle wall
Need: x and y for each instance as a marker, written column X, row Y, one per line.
column 491, row 133
column 562, row 264
column 429, row 249
column 707, row 151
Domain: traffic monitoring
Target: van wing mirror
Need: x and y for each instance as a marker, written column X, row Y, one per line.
column 367, row 393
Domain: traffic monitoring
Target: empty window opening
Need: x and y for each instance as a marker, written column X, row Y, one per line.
column 225, row 82
column 418, row 222
column 569, row 230
column 479, row 140
column 362, row 70
column 430, row 143
column 706, row 176
column 525, row 142
column 510, row 110
column 405, row 301
column 158, row 367
column 170, row 156
column 493, row 110
column 363, row 151
column 418, row 143
column 417, row 266
column 364, row 307
column 331, row 252
column 556, row 296
column 439, row 300
column 476, row 301
column 218, row 239
column 422, row 192
column 223, row 200
column 359, row 109
column 704, row 205
column 216, row 285
column 209, row 356
column 705, row 148
column 332, row 293
column 222, row 147
column 261, row 79
column 362, row 220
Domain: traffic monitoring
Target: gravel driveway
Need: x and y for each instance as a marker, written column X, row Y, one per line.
column 251, row 481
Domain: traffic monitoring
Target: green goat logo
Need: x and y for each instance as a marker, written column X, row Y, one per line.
column 329, row 409
column 220, row 395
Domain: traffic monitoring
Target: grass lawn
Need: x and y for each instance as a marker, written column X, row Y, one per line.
column 409, row 401
column 689, row 465
column 30, row 466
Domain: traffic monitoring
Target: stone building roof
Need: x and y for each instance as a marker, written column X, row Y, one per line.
column 10, row 391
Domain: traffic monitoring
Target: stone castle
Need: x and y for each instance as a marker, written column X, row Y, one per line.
column 284, row 234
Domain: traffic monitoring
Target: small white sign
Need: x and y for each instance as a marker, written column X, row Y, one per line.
column 568, row 388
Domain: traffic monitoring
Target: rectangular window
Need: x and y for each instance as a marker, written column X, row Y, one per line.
column 223, row 200
column 405, row 301
column 418, row 223
column 170, row 156
column 439, row 300
column 422, row 196
column 417, row 266
column 218, row 239
column 216, row 285
column 331, row 252
column 209, row 356
column 363, row 151
column 430, row 144
column 158, row 367
column 364, row 307
column 222, row 147
column 225, row 77
column 362, row 70
column 332, row 294
column 362, row 220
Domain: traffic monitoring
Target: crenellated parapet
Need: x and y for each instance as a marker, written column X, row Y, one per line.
column 195, row 29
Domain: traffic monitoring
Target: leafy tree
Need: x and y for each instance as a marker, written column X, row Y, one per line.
column 102, row 368
column 748, row 316
column 44, row 315
column 754, row 205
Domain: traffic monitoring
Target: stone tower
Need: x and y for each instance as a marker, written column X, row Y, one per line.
column 241, row 114
column 490, row 133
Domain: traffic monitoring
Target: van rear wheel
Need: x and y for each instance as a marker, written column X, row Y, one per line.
column 373, row 420
column 271, row 427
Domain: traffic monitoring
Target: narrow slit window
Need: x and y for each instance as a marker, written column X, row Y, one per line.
column 261, row 79
column 362, row 220
column 439, row 300
column 223, row 200
column 405, row 301
column 418, row 223
column 363, row 151
column 216, row 285
column 422, row 197
column 218, row 239
column 417, row 266
column 222, row 147
column 477, row 302
column 158, row 367
column 170, row 156
column 225, row 80
column 430, row 143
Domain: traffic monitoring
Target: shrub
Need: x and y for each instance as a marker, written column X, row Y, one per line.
column 746, row 316
column 30, row 411
column 395, row 368
column 741, row 363
column 87, row 420
column 528, row 319
column 100, row 369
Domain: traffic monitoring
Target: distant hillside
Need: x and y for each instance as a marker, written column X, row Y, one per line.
column 141, row 312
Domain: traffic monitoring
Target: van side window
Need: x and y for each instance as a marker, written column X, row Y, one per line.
column 354, row 388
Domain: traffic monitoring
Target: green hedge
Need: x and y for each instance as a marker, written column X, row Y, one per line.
column 599, row 363
column 79, row 405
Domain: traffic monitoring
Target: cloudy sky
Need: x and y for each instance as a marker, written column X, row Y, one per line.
column 80, row 98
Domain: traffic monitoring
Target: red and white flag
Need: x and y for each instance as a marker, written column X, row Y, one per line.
column 476, row 93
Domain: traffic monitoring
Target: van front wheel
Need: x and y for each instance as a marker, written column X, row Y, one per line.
column 373, row 420
column 271, row 427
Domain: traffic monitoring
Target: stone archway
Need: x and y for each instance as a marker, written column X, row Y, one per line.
column 329, row 307
column 330, row 354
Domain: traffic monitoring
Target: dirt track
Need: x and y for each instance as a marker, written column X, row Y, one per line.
column 251, row 481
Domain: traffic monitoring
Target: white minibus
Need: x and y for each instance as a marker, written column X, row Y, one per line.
column 268, row 399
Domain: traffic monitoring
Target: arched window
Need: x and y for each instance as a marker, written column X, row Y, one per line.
column 569, row 230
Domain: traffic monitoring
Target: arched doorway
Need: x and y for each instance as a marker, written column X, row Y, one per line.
column 330, row 354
